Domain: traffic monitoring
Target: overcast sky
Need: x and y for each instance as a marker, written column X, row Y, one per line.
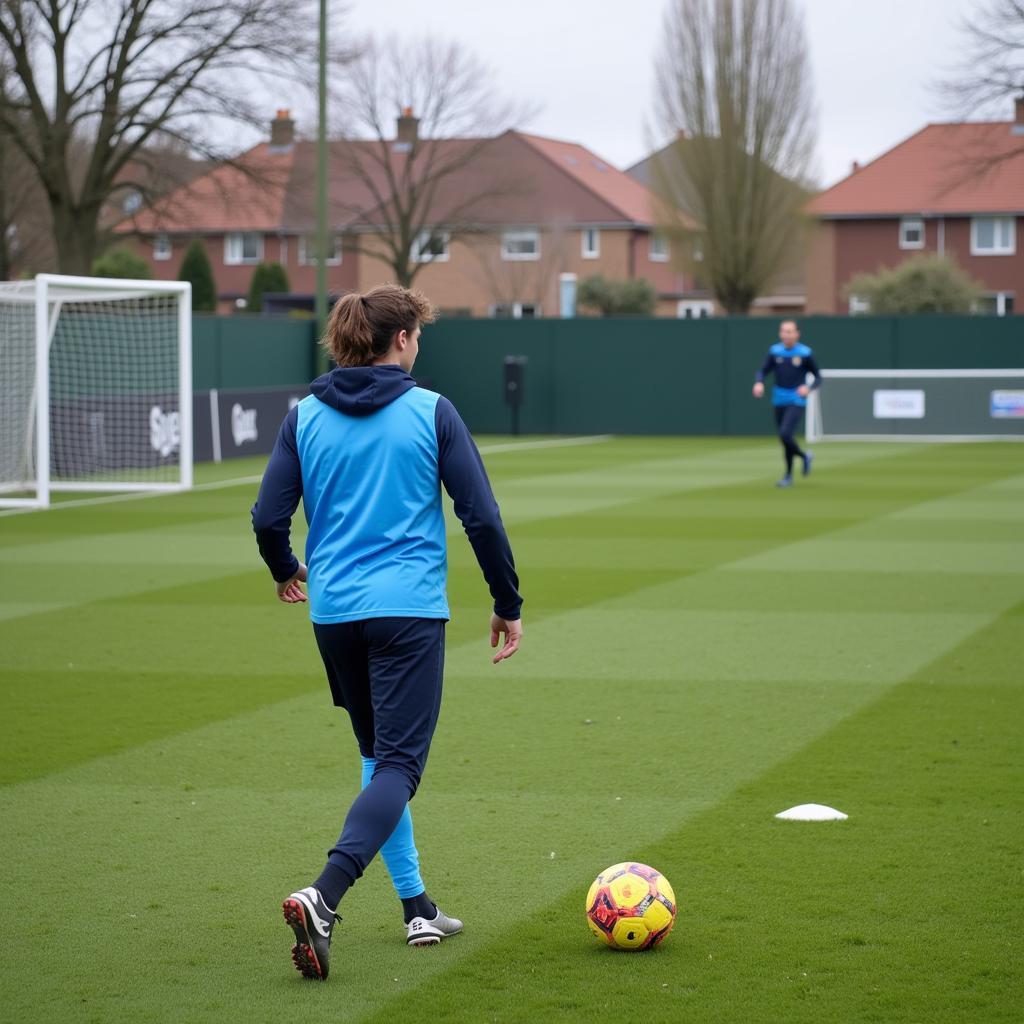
column 588, row 64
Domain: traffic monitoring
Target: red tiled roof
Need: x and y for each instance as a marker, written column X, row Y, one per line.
column 247, row 195
column 971, row 167
column 521, row 179
column 632, row 199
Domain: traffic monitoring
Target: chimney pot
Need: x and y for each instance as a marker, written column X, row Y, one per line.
column 282, row 131
column 408, row 128
column 1018, row 110
column 855, row 167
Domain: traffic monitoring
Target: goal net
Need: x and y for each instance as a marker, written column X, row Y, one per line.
column 917, row 405
column 95, row 387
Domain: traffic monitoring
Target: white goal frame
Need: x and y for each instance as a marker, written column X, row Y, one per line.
column 815, row 427
column 95, row 289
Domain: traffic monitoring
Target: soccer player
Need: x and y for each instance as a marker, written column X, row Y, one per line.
column 368, row 452
column 791, row 362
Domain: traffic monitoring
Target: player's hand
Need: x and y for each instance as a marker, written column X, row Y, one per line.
column 803, row 391
column 758, row 389
column 289, row 590
column 513, row 630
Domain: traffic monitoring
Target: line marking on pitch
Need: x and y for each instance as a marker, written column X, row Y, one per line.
column 214, row 485
column 557, row 442
column 238, row 481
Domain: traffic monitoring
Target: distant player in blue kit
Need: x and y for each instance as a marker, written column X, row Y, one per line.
column 791, row 362
column 368, row 453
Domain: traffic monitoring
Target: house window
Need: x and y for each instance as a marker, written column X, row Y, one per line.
column 520, row 245
column 911, row 233
column 243, row 247
column 658, row 248
column 307, row 250
column 431, row 247
column 591, row 243
column 515, row 310
column 859, row 305
column 132, row 201
column 161, row 247
column 694, row 309
column 995, row 304
column 993, row 236
column 698, row 250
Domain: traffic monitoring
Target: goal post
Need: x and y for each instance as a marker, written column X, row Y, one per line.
column 95, row 387
column 917, row 405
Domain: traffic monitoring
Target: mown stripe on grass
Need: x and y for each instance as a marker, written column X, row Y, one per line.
column 207, row 822
column 909, row 911
column 57, row 658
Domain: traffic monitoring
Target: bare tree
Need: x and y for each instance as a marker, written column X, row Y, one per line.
column 735, row 90
column 989, row 75
column 25, row 237
column 413, row 182
column 991, row 70
column 89, row 84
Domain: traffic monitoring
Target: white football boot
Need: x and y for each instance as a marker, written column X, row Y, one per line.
column 421, row 932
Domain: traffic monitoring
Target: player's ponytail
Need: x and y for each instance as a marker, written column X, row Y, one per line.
column 361, row 328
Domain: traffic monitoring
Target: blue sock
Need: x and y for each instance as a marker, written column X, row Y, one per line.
column 401, row 857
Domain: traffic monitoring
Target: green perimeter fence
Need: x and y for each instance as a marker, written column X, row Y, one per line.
column 619, row 376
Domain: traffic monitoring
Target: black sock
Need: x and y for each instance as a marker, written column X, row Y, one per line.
column 419, row 906
column 333, row 883
column 789, row 463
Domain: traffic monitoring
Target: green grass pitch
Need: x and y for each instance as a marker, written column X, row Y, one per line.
column 701, row 652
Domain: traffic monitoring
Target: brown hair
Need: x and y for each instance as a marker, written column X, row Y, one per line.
column 361, row 328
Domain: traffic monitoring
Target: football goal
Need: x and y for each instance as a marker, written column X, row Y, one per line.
column 917, row 405
column 95, row 387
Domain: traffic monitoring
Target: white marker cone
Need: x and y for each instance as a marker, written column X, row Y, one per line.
column 812, row 812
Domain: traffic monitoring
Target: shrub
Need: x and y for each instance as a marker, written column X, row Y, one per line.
column 926, row 283
column 196, row 269
column 121, row 263
column 267, row 277
column 633, row 297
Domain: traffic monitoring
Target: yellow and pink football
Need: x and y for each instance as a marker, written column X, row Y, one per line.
column 631, row 906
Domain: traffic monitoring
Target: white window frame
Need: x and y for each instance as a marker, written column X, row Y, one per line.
column 308, row 259
column 520, row 235
column 653, row 251
column 1009, row 246
column 425, row 236
column 907, row 224
column 859, row 306
column 234, row 248
column 694, row 309
column 1000, row 301
column 590, row 252
column 517, row 310
column 162, row 247
column 132, row 201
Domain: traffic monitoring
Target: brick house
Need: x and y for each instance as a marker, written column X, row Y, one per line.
column 952, row 189
column 545, row 208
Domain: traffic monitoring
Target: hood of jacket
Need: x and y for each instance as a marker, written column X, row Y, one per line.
column 361, row 390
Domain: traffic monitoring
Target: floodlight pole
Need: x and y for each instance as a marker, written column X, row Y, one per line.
column 320, row 306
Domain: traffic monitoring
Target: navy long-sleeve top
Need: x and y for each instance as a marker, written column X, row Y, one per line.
column 368, row 452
